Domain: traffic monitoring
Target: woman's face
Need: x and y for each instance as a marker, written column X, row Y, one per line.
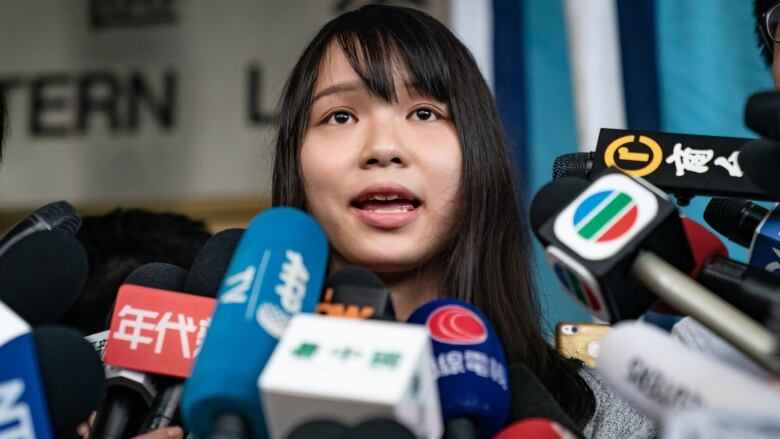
column 382, row 178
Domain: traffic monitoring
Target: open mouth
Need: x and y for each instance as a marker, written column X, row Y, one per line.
column 386, row 203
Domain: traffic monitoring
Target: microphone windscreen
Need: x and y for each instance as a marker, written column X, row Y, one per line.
column 762, row 114
column 755, row 155
column 319, row 429
column 537, row 428
column 72, row 374
column 531, row 399
column 211, row 263
column 42, row 275
column 553, row 197
column 380, row 429
column 353, row 276
column 60, row 215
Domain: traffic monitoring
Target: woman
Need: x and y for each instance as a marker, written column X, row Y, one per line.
column 390, row 137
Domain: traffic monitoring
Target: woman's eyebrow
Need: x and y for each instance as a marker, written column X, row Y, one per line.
column 337, row 88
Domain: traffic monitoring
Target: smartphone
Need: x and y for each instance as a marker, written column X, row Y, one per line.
column 580, row 340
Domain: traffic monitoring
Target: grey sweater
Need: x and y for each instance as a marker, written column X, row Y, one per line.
column 613, row 417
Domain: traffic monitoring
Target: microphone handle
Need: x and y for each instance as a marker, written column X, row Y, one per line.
column 164, row 410
column 460, row 428
column 119, row 415
column 230, row 426
column 681, row 292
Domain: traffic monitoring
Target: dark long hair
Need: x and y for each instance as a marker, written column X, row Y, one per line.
column 487, row 262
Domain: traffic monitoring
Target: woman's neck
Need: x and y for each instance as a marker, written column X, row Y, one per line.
column 411, row 289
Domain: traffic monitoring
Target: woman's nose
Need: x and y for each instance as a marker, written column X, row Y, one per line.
column 384, row 147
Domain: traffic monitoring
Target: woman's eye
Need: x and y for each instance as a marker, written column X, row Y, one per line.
column 340, row 118
column 424, row 114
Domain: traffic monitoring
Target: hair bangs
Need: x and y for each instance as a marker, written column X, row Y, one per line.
column 378, row 52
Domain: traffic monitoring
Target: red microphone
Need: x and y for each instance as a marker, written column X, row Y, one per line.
column 157, row 331
column 536, row 428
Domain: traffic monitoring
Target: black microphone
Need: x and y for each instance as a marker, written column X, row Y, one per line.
column 754, row 291
column 319, row 429
column 762, row 114
column 127, row 401
column 531, row 399
column 72, row 376
column 56, row 215
column 681, row 164
column 356, row 293
column 41, row 276
column 380, row 428
column 203, row 279
column 758, row 154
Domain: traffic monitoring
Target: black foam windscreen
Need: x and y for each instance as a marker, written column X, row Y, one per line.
column 353, row 276
column 531, row 399
column 42, row 275
column 211, row 263
column 762, row 114
column 380, row 428
column 72, row 374
column 319, row 429
column 553, row 197
column 758, row 155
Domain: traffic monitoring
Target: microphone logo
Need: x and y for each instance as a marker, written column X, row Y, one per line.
column 455, row 324
column 606, row 217
column 648, row 157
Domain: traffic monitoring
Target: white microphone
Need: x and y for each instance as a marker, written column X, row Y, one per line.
column 660, row 376
column 348, row 370
column 722, row 424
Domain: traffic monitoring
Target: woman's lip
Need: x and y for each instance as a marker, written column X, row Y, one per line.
column 386, row 189
column 387, row 220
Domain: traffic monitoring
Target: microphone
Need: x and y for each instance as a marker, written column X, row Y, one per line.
column 319, row 429
column 42, row 275
column 530, row 399
column 276, row 272
column 130, row 391
column 355, row 292
column 56, row 215
column 552, row 197
column 72, row 375
column 348, row 370
column 470, row 365
column 616, row 237
column 682, row 164
column 203, row 279
column 749, row 225
column 380, row 429
column 755, row 155
column 537, row 428
column 751, row 290
column 762, row 114
column 22, row 399
column 660, row 376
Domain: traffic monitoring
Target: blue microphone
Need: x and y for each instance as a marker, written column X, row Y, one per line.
column 470, row 365
column 22, row 397
column 277, row 271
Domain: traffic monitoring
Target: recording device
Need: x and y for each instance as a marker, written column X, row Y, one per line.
column 537, row 428
column 349, row 370
column 619, row 240
column 749, row 225
column 355, row 292
column 56, row 215
column 682, row 164
column 753, row 291
column 762, row 114
column 580, row 340
column 72, row 374
column 470, row 367
column 129, row 391
column 275, row 273
column 531, row 399
column 661, row 377
column 203, row 279
column 42, row 275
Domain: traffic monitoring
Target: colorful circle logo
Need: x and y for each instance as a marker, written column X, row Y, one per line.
column 605, row 216
column 455, row 324
column 618, row 153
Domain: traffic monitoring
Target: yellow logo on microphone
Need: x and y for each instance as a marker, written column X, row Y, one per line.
column 648, row 157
